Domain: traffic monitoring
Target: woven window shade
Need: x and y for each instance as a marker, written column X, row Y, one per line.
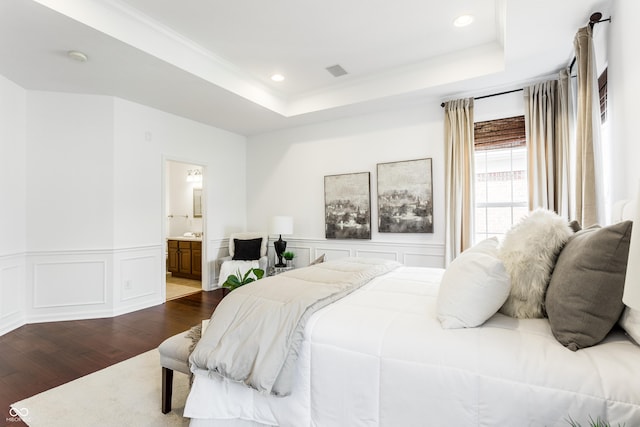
column 500, row 133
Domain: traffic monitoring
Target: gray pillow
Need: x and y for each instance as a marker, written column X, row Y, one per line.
column 584, row 298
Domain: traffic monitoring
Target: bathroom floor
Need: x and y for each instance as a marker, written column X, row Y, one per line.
column 178, row 287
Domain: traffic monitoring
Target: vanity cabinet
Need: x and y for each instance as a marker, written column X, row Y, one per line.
column 185, row 258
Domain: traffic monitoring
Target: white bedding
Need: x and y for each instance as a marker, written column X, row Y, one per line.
column 256, row 332
column 379, row 357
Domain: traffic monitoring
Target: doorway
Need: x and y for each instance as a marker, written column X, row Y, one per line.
column 184, row 228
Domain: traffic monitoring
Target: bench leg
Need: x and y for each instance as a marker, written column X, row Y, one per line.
column 167, row 389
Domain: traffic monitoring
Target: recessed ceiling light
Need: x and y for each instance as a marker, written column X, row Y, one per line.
column 277, row 77
column 463, row 20
column 78, row 56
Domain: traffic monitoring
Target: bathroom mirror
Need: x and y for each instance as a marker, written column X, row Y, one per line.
column 197, row 202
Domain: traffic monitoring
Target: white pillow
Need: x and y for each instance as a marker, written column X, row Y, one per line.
column 630, row 322
column 473, row 288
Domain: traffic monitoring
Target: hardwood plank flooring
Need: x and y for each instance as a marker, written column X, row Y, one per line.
column 40, row 356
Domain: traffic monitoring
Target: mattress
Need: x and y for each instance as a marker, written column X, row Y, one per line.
column 379, row 357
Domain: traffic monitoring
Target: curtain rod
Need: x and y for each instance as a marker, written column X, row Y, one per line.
column 595, row 18
column 493, row 94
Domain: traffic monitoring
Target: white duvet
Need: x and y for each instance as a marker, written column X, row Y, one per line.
column 379, row 357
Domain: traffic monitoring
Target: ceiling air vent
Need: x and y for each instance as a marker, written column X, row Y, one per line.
column 336, row 70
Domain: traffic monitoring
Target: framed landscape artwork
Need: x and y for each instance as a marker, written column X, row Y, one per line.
column 347, row 206
column 405, row 197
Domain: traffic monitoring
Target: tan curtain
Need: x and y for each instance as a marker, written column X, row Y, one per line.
column 459, row 177
column 539, row 124
column 547, row 129
column 588, row 186
column 565, row 124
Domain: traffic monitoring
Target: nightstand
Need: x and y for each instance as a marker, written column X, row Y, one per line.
column 274, row 271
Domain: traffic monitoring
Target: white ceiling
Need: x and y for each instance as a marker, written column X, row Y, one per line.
column 211, row 60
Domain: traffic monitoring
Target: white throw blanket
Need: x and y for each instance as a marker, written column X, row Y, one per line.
column 255, row 332
column 239, row 268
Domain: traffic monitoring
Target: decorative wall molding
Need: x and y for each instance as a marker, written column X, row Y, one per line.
column 415, row 254
column 138, row 278
column 12, row 292
column 82, row 284
column 110, row 282
column 69, row 283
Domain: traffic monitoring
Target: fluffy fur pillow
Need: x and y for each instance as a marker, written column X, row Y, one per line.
column 529, row 252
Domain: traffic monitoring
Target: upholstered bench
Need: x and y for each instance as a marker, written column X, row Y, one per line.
column 174, row 356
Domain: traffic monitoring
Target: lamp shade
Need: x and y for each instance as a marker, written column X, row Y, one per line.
column 282, row 225
column 631, row 296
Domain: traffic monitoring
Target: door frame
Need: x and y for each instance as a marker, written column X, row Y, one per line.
column 164, row 214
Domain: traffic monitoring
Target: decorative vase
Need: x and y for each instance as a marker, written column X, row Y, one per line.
column 289, row 263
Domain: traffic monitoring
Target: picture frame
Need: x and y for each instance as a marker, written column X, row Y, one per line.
column 405, row 196
column 347, row 204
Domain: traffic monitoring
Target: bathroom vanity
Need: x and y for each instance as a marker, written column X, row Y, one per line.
column 185, row 257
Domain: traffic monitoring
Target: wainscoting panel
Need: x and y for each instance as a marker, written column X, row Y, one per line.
column 69, row 283
column 139, row 273
column 307, row 250
column 423, row 260
column 85, row 284
column 390, row 256
column 12, row 292
column 218, row 248
column 304, row 254
column 411, row 254
column 332, row 253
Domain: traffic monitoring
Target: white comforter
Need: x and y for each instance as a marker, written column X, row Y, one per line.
column 379, row 357
column 256, row 332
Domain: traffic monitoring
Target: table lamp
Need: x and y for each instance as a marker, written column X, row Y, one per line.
column 281, row 225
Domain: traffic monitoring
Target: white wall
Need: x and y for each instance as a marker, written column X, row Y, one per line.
column 286, row 169
column 70, row 195
column 286, row 172
column 84, row 236
column 624, row 91
column 70, row 161
column 498, row 107
column 13, row 101
column 145, row 139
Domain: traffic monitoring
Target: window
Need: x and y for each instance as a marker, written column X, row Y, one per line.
column 602, row 88
column 501, row 176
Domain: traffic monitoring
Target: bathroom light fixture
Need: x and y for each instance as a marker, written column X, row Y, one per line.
column 277, row 77
column 77, row 55
column 194, row 175
column 463, row 20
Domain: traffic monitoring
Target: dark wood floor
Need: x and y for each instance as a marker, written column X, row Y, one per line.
column 37, row 357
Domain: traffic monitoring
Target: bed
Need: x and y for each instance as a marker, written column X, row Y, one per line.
column 380, row 356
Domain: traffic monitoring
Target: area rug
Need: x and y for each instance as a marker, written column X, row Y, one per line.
column 125, row 394
column 175, row 291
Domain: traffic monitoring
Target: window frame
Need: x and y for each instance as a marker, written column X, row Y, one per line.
column 505, row 135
